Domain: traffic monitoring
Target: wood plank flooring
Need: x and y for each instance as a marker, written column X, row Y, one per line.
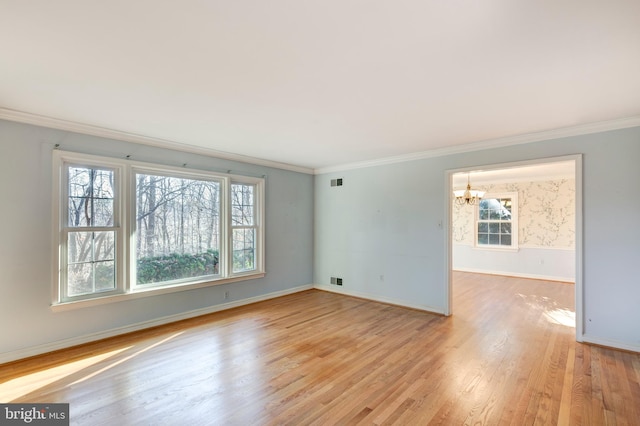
column 507, row 356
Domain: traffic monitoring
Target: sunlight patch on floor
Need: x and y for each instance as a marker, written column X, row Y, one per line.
column 561, row 316
column 127, row 358
column 24, row 385
column 14, row 389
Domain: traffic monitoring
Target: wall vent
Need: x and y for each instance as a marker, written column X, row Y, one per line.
column 338, row 281
column 336, row 182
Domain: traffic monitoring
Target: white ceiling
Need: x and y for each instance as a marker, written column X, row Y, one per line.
column 522, row 173
column 322, row 83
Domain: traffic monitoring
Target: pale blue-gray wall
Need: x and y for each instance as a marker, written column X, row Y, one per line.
column 381, row 231
column 26, row 245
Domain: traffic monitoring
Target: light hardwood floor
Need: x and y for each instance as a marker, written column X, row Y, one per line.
column 507, row 356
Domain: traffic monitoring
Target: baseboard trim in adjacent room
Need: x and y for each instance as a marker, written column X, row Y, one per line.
column 75, row 341
column 376, row 298
column 518, row 275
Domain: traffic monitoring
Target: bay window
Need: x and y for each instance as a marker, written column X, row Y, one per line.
column 126, row 228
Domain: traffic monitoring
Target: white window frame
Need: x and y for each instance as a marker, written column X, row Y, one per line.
column 258, row 215
column 124, row 226
column 514, row 222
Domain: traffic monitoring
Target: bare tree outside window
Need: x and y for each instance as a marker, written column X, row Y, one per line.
column 243, row 210
column 90, row 243
column 177, row 228
column 132, row 229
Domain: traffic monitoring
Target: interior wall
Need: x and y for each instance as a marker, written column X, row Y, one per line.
column 385, row 231
column 26, row 269
column 546, row 233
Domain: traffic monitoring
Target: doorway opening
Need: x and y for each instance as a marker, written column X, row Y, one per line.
column 527, row 225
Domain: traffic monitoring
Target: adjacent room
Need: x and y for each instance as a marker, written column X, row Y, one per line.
column 232, row 213
column 520, row 222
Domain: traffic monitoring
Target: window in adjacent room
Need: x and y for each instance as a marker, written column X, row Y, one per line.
column 497, row 221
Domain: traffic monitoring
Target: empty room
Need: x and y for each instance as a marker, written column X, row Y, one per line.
column 228, row 213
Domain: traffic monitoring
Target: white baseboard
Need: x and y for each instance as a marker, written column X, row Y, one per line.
column 518, row 275
column 610, row 343
column 376, row 298
column 67, row 343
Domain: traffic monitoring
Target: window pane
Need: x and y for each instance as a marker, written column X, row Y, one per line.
column 90, row 246
column 494, row 239
column 242, row 204
column 506, row 204
column 494, row 215
column 483, row 239
column 505, row 228
column 243, row 250
column 90, row 196
column 105, row 275
column 494, row 228
column 90, row 259
column 505, row 240
column 79, row 279
column 177, row 228
column 87, row 278
column 483, row 227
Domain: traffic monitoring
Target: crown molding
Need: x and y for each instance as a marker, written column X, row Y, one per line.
column 71, row 126
column 103, row 132
column 563, row 132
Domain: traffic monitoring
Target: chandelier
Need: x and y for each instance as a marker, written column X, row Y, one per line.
column 468, row 196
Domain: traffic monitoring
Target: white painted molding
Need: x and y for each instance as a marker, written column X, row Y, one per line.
column 87, row 129
column 610, row 343
column 376, row 298
column 71, row 126
column 520, row 246
column 62, row 344
column 564, row 132
column 517, row 275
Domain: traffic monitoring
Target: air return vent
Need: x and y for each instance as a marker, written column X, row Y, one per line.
column 336, row 182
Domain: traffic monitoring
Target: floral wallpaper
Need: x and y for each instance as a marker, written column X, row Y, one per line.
column 546, row 214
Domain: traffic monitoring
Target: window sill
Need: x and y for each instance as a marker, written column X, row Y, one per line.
column 146, row 292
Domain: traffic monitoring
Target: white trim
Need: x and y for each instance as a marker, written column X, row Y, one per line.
column 479, row 182
column 377, row 298
column 521, row 246
column 516, row 274
column 579, row 231
column 74, row 341
column 563, row 132
column 103, row 132
column 140, row 292
column 610, row 343
column 87, row 129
